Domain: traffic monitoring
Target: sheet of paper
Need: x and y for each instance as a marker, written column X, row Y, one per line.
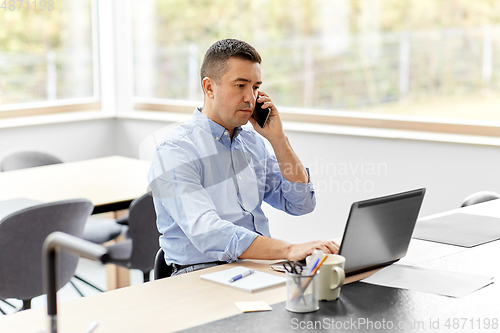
column 251, row 283
column 429, row 280
column 253, row 306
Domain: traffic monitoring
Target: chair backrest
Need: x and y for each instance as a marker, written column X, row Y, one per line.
column 27, row 159
column 143, row 232
column 479, row 197
column 161, row 269
column 21, row 237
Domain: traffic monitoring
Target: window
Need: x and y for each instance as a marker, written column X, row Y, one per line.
column 404, row 58
column 380, row 62
column 46, row 52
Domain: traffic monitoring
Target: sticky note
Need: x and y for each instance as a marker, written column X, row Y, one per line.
column 253, row 306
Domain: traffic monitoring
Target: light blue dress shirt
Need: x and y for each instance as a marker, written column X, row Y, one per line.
column 208, row 191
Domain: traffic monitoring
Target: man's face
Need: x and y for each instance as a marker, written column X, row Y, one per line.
column 234, row 97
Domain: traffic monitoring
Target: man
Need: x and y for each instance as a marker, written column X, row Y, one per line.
column 210, row 175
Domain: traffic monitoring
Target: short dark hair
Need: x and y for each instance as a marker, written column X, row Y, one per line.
column 214, row 63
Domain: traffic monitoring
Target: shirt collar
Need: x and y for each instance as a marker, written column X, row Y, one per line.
column 218, row 131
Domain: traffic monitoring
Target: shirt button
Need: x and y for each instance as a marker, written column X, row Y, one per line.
column 226, row 133
column 216, row 138
column 243, row 204
column 239, row 177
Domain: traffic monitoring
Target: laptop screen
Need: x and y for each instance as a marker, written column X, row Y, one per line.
column 378, row 231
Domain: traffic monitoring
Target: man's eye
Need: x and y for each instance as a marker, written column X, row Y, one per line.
column 240, row 85
column 255, row 88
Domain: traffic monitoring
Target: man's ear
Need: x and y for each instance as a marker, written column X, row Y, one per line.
column 208, row 87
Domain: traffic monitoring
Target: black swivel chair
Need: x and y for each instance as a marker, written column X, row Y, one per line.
column 96, row 230
column 161, row 269
column 479, row 197
column 22, row 234
column 137, row 251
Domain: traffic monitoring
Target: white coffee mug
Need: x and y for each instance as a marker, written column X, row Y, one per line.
column 331, row 277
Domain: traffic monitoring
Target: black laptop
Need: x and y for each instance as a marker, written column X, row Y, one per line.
column 378, row 231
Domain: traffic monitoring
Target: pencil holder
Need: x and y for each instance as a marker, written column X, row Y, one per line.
column 302, row 293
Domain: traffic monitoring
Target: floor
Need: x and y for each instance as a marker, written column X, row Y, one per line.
column 89, row 270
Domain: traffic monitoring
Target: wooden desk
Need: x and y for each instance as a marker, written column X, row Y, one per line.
column 186, row 301
column 159, row 306
column 111, row 183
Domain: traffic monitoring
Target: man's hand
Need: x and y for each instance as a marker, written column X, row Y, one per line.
column 273, row 130
column 290, row 166
column 298, row 252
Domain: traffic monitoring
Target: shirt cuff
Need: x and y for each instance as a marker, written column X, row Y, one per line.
column 239, row 243
column 296, row 191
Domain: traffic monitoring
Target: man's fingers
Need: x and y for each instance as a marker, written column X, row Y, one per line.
column 335, row 247
column 329, row 247
column 301, row 251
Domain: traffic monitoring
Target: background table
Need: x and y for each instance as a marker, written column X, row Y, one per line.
column 110, row 183
column 8, row 207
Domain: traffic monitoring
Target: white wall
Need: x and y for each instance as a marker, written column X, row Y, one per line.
column 131, row 133
column 343, row 168
column 70, row 141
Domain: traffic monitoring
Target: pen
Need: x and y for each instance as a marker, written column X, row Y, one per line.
column 314, row 266
column 92, row 326
column 242, row 275
column 304, row 286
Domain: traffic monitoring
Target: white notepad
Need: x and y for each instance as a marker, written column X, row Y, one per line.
column 253, row 282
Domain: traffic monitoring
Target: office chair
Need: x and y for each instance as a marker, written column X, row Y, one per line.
column 479, row 197
column 97, row 230
column 21, row 237
column 161, row 269
column 27, row 159
column 137, row 251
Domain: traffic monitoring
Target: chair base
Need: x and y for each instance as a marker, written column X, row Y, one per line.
column 8, row 303
column 87, row 283
column 26, row 304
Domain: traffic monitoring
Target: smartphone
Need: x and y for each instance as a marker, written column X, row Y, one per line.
column 260, row 115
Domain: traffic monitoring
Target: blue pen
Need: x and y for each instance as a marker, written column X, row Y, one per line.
column 242, row 275
column 313, row 266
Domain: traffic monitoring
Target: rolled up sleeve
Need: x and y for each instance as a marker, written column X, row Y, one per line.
column 293, row 198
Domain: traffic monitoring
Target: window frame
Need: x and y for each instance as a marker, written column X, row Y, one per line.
column 345, row 118
column 47, row 108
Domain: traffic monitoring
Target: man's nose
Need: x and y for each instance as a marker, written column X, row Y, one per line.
column 250, row 96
